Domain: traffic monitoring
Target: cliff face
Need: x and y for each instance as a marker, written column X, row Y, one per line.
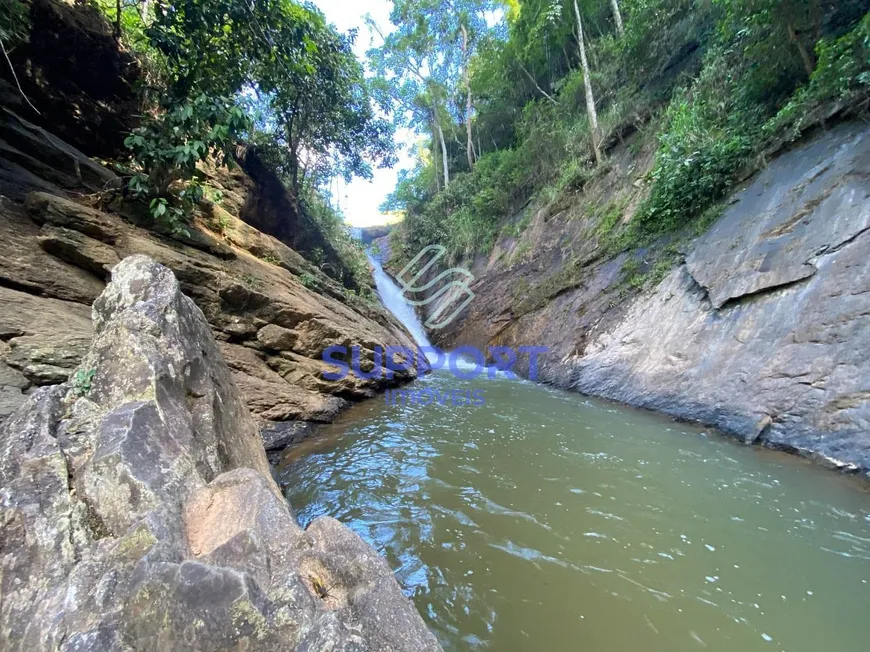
column 138, row 512
column 272, row 312
column 760, row 329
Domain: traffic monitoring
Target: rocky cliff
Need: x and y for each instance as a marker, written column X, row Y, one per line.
column 759, row 326
column 138, row 511
column 272, row 311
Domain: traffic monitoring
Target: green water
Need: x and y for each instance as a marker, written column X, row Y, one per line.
column 545, row 521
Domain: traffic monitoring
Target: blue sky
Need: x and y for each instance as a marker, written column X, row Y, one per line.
column 360, row 199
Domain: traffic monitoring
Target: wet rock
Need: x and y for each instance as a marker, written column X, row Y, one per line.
column 281, row 435
column 138, row 511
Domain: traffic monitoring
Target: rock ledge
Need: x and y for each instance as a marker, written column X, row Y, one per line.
column 137, row 510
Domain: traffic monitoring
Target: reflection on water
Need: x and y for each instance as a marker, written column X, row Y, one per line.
column 546, row 521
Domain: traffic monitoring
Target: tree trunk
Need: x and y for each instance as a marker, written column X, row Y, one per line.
column 435, row 157
column 443, row 154
column 587, row 83
column 118, row 8
column 469, row 143
column 617, row 17
column 806, row 57
column 146, row 5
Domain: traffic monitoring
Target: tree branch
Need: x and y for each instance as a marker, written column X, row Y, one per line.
column 15, row 77
column 532, row 79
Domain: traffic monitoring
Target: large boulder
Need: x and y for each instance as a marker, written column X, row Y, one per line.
column 137, row 510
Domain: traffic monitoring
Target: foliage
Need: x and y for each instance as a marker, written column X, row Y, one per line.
column 82, row 381
column 707, row 136
column 14, row 23
column 166, row 149
column 723, row 79
column 308, row 280
column 271, row 71
column 842, row 71
column 300, row 74
column 464, row 217
column 331, row 224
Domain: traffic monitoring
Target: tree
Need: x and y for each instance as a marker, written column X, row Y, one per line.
column 409, row 77
column 587, row 84
column 617, row 17
column 425, row 65
column 287, row 55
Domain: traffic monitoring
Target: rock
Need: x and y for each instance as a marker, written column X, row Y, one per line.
column 47, row 359
column 281, row 435
column 138, row 511
column 12, row 386
column 314, row 335
column 245, row 282
column 762, row 332
column 41, row 342
column 79, row 250
column 44, row 208
column 271, row 397
column 276, row 338
column 25, row 266
column 33, row 158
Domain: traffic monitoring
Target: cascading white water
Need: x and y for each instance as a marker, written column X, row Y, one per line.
column 391, row 296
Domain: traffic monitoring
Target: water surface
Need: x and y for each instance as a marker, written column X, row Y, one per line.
column 546, row 521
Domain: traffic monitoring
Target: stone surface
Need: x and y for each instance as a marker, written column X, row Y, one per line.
column 762, row 332
column 79, row 250
column 41, row 342
column 32, row 157
column 277, row 338
column 138, row 512
column 247, row 283
column 26, row 266
column 45, row 208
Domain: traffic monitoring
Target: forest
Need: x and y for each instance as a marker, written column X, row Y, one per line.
column 526, row 99
column 510, row 101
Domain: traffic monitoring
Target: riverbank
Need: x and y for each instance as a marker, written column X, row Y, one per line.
column 272, row 311
column 756, row 327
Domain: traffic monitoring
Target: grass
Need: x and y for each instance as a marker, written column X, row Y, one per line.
column 252, row 282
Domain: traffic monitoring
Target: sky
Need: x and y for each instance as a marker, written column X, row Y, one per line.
column 359, row 200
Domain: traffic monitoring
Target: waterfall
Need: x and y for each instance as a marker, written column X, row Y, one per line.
column 391, row 296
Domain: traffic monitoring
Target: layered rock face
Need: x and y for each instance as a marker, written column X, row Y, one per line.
column 761, row 330
column 273, row 312
column 138, row 511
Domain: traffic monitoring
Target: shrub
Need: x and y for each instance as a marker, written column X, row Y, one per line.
column 707, row 137
column 166, row 149
column 842, row 71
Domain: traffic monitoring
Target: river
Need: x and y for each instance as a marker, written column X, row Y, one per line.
column 544, row 520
